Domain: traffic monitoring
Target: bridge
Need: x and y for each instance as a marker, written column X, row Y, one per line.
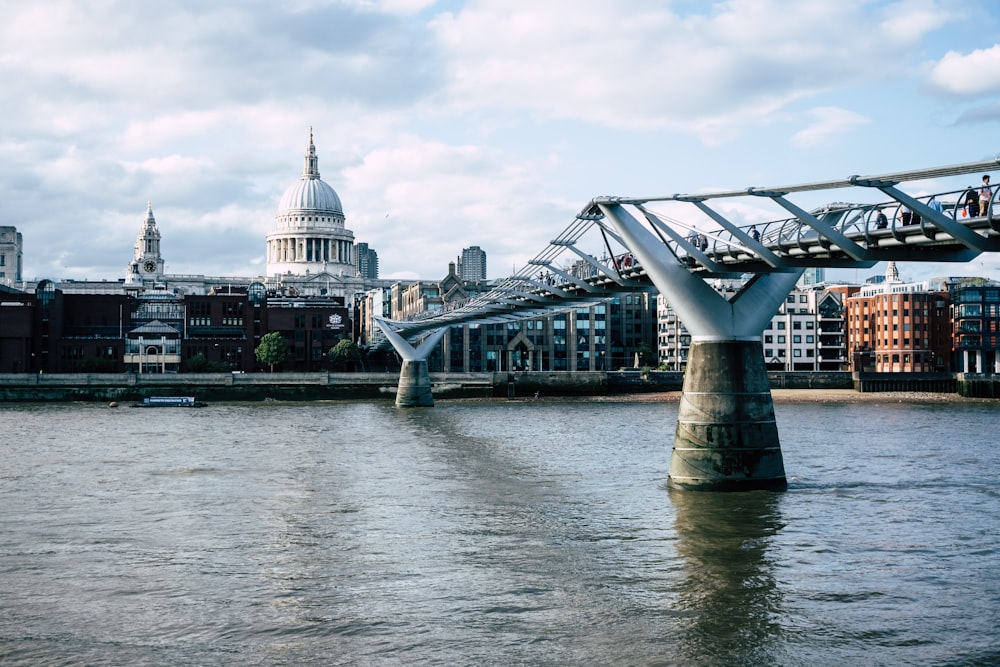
column 726, row 437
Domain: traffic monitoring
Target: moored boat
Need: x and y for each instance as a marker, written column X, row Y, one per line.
column 169, row 402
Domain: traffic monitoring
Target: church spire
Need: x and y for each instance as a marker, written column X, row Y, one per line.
column 891, row 273
column 311, row 168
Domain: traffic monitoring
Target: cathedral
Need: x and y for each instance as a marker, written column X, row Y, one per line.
column 310, row 251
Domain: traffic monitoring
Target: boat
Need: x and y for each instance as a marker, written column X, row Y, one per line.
column 169, row 402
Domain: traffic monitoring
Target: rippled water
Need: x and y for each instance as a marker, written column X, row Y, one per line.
column 491, row 533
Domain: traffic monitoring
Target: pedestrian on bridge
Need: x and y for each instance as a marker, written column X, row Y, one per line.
column 881, row 222
column 985, row 194
column 971, row 202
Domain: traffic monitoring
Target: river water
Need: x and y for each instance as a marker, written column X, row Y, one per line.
column 491, row 533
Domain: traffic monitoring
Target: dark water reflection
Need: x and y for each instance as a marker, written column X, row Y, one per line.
column 729, row 591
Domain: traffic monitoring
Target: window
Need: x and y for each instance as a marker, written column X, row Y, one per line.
column 803, row 298
column 809, row 339
column 768, row 339
column 796, row 353
column 796, row 339
column 781, row 339
column 781, row 326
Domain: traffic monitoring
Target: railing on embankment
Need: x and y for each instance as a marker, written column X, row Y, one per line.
column 121, row 387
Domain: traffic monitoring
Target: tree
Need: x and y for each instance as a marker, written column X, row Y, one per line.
column 197, row 364
column 273, row 349
column 345, row 355
column 645, row 353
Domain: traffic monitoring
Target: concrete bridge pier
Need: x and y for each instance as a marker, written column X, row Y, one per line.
column 726, row 437
column 414, row 388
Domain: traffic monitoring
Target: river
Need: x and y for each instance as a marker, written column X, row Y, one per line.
column 491, row 533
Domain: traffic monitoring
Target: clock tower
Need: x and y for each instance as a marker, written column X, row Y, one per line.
column 147, row 265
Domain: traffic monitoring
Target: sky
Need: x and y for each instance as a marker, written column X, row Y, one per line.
column 447, row 124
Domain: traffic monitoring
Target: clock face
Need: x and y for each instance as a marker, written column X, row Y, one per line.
column 149, row 266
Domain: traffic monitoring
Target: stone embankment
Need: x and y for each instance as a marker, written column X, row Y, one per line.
column 125, row 387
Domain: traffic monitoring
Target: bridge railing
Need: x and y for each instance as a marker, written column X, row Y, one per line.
column 792, row 238
column 838, row 234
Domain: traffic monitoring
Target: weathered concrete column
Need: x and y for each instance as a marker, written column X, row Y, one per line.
column 414, row 388
column 726, row 437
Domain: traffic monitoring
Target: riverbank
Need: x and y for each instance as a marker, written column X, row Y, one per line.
column 633, row 384
column 805, row 396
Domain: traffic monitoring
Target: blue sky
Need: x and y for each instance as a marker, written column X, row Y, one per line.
column 448, row 124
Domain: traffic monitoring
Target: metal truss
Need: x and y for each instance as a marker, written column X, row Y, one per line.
column 927, row 228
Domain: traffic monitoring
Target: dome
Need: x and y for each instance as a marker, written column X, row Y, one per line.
column 310, row 193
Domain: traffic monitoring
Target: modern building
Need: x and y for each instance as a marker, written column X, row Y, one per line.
column 366, row 261
column 472, row 264
column 806, row 334
column 975, row 316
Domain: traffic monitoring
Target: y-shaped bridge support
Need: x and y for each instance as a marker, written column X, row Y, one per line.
column 726, row 438
column 414, row 389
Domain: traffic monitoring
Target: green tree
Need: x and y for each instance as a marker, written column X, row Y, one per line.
column 273, row 349
column 345, row 355
column 645, row 353
column 198, row 363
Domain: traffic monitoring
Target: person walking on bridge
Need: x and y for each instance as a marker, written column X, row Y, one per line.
column 971, row 202
column 985, row 194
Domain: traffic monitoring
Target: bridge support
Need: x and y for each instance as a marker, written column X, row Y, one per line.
column 726, row 437
column 414, row 388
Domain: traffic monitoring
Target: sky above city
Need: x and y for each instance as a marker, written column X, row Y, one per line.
column 447, row 124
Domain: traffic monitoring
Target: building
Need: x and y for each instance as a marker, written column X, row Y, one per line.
column 975, row 316
column 472, row 264
column 897, row 327
column 150, row 321
column 11, row 250
column 806, row 334
column 813, row 276
column 366, row 261
column 309, row 235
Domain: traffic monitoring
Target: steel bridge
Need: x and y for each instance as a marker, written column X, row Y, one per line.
column 725, row 438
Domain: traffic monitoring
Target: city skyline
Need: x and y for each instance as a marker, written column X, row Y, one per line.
column 438, row 135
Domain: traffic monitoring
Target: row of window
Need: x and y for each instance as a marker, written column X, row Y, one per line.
column 796, row 324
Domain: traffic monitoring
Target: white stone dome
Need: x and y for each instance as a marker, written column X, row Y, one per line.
column 312, row 195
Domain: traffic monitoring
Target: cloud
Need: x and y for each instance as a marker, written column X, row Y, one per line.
column 419, row 203
column 973, row 75
column 649, row 67
column 829, row 122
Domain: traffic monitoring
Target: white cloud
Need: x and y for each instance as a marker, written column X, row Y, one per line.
column 420, row 202
column 974, row 74
column 828, row 122
column 648, row 67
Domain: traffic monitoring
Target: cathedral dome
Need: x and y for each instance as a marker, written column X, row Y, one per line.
column 310, row 193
